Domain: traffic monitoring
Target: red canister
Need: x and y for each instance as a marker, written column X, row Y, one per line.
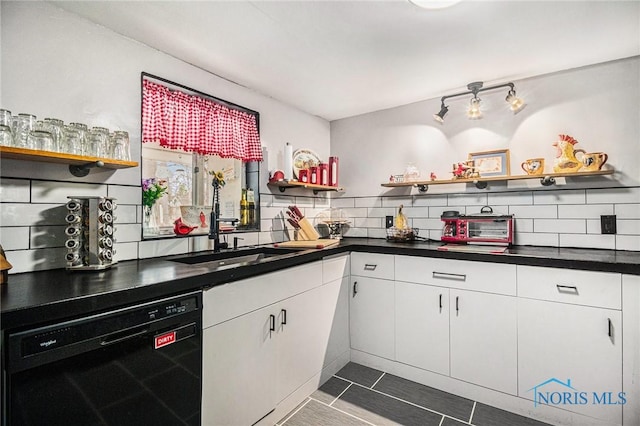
column 323, row 172
column 303, row 175
column 313, row 175
column 333, row 171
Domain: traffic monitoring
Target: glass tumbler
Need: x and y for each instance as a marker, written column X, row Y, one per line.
column 56, row 128
column 40, row 140
column 24, row 125
column 84, row 133
column 120, row 149
column 98, row 142
column 6, row 134
column 72, row 141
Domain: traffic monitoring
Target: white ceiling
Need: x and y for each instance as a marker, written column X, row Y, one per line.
column 337, row 59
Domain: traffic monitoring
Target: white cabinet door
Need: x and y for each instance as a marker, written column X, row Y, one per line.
column 371, row 319
column 483, row 335
column 239, row 370
column 422, row 326
column 304, row 324
column 569, row 342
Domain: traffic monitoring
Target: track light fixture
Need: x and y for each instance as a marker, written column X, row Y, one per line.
column 474, row 113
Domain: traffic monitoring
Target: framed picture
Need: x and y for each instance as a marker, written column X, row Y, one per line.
column 491, row 163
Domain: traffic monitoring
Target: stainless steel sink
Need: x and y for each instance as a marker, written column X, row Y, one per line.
column 232, row 258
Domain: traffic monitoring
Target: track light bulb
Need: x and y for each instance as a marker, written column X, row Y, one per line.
column 515, row 103
column 474, row 112
column 439, row 117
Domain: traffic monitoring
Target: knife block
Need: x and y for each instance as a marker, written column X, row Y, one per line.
column 307, row 232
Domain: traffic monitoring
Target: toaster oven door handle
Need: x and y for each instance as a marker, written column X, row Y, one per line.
column 449, row 276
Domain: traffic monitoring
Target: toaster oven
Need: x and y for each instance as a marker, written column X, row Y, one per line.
column 482, row 228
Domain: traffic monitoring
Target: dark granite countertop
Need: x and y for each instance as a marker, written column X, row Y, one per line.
column 34, row 298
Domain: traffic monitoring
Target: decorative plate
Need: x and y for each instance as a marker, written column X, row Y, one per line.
column 303, row 159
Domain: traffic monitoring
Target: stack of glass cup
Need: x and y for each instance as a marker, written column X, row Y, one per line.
column 51, row 134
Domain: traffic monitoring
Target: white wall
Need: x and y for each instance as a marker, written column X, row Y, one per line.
column 599, row 105
column 56, row 64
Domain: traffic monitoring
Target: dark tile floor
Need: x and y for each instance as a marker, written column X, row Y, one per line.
column 359, row 395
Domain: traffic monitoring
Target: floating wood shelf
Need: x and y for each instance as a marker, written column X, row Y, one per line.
column 284, row 184
column 78, row 165
column 481, row 183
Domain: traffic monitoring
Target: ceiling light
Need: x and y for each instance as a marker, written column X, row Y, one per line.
column 515, row 103
column 474, row 112
column 440, row 116
column 434, row 4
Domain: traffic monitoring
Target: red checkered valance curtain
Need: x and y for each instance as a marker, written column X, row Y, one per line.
column 194, row 124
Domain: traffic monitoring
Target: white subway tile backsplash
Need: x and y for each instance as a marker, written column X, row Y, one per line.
column 593, row 226
column 376, row 212
column 510, row 198
column 582, row 211
column 12, row 214
column 627, row 211
column 424, row 224
column 534, row 212
column 47, row 236
column 15, row 190
column 628, row 242
column 368, row 202
column 628, row 227
column 588, row 241
column 371, row 222
column 58, row 192
column 157, row 248
column 613, row 195
column 376, row 233
column 125, row 214
column 126, row 233
column 355, row 232
column 125, row 194
column 467, row 200
column 437, row 211
column 14, row 238
column 343, row 202
column 536, row 239
column 568, row 226
column 559, row 197
column 396, row 201
column 36, row 260
column 429, row 200
column 125, row 251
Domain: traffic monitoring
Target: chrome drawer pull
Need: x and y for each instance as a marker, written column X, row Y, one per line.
column 567, row 288
column 610, row 327
column 448, row 276
column 370, row 267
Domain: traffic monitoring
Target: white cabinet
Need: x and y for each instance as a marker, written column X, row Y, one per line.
column 371, row 316
column 483, row 338
column 422, row 326
column 239, row 370
column 574, row 332
column 266, row 336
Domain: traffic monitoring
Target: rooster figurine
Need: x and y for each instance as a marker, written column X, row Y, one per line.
column 181, row 228
column 566, row 161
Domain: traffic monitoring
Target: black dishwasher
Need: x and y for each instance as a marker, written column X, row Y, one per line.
column 139, row 365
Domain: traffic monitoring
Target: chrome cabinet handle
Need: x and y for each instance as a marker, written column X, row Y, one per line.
column 284, row 316
column 449, row 276
column 272, row 322
column 610, row 327
column 440, row 302
column 457, row 305
column 355, row 288
column 567, row 288
column 370, row 267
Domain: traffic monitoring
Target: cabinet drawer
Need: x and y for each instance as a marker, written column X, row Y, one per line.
column 226, row 301
column 372, row 265
column 602, row 289
column 462, row 274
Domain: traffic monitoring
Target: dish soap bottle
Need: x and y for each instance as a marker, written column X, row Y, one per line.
column 401, row 219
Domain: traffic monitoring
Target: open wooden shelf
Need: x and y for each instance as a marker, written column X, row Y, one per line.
column 78, row 165
column 481, row 182
column 282, row 185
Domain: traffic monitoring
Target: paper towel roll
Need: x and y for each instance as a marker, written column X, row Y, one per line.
column 288, row 161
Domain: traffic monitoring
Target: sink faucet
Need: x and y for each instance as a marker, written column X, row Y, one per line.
column 214, row 229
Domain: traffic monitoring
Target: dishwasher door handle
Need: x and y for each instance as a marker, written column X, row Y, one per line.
column 118, row 337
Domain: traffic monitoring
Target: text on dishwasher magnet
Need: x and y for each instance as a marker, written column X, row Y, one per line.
column 165, row 339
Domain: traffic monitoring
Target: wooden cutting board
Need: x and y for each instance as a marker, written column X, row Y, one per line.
column 317, row 244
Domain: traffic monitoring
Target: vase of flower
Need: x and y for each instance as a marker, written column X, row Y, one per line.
column 152, row 190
